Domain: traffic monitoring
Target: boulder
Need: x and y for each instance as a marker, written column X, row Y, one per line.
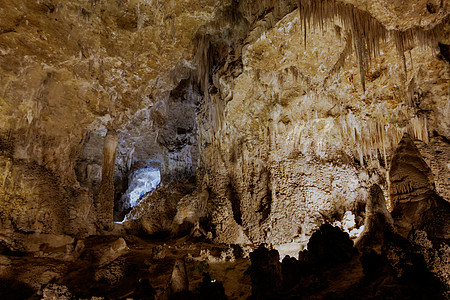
column 112, row 251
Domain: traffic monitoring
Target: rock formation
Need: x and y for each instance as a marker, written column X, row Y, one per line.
column 104, row 200
column 263, row 119
column 415, row 201
column 179, row 282
column 378, row 221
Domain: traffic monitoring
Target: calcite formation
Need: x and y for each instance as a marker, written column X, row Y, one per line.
column 265, row 119
column 293, row 134
column 415, row 201
column 70, row 72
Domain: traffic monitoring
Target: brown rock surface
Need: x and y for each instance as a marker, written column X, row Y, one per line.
column 265, row 120
column 72, row 69
column 415, row 203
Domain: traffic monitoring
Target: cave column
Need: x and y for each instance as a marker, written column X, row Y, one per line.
column 104, row 200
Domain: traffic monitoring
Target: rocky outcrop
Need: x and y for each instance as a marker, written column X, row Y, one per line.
column 284, row 127
column 69, row 71
column 415, row 201
column 378, row 221
column 37, row 211
column 267, row 278
column 332, row 269
column 111, row 252
column 155, row 213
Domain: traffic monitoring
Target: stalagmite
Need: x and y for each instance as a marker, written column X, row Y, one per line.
column 104, row 200
column 414, row 199
column 179, row 282
column 250, row 116
column 378, row 221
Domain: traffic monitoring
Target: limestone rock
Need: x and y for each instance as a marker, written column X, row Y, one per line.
column 38, row 244
column 179, row 282
column 266, row 273
column 112, row 251
column 329, row 246
column 55, row 291
column 378, row 221
column 5, row 263
column 190, row 210
column 286, row 150
column 158, row 252
column 70, row 70
column 435, row 154
column 437, row 257
column 112, row 273
column 415, row 201
column 284, row 128
column 156, row 212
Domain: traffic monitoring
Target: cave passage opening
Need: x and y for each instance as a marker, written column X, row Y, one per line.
column 141, row 182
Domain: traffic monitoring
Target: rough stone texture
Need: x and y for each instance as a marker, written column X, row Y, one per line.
column 69, row 70
column 286, row 119
column 111, row 252
column 378, row 221
column 280, row 124
column 179, row 282
column 55, row 291
column 104, row 199
column 112, row 273
column 156, row 211
column 297, row 140
column 415, row 203
column 436, row 154
column 437, row 258
column 191, row 209
column 411, row 178
column 35, row 207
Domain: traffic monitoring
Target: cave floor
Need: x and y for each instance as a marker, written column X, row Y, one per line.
column 141, row 273
column 144, row 271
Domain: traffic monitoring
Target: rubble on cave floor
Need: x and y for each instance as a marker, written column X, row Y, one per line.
column 128, row 267
column 134, row 267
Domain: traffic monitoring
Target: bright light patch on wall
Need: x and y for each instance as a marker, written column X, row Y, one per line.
column 141, row 182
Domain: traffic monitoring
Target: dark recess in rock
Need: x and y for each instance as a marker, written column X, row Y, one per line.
column 445, row 51
column 235, row 204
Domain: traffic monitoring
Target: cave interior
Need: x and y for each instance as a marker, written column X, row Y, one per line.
column 236, row 149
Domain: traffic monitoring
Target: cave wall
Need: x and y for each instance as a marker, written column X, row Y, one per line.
column 68, row 72
column 276, row 122
column 296, row 137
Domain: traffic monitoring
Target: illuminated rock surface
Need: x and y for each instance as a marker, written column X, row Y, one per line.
column 263, row 119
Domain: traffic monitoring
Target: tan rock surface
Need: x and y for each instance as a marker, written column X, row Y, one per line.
column 299, row 140
column 285, row 137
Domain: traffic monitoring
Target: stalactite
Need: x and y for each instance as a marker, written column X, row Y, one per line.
column 370, row 137
column 344, row 54
column 420, row 128
column 367, row 32
column 410, row 92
